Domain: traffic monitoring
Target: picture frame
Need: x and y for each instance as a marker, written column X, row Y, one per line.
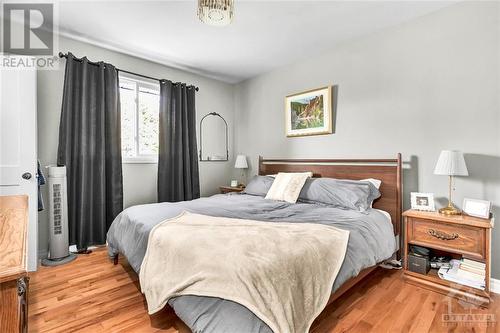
column 477, row 208
column 309, row 112
column 422, row 201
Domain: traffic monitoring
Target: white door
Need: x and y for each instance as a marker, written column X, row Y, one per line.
column 18, row 145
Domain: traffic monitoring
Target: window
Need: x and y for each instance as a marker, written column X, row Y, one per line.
column 140, row 103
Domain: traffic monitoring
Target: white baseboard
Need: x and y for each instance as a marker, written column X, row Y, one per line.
column 495, row 286
column 42, row 254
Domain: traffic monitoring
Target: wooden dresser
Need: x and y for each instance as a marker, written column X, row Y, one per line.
column 459, row 236
column 13, row 270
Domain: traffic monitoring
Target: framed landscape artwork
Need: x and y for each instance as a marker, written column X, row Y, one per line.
column 309, row 112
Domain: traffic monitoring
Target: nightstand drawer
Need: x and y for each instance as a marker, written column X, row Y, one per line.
column 467, row 239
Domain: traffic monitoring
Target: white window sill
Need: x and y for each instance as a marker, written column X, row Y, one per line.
column 140, row 160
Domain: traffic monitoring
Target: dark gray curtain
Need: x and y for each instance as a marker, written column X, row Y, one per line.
column 178, row 177
column 90, row 148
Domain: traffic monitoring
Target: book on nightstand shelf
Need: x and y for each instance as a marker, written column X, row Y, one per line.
column 473, row 264
column 467, row 272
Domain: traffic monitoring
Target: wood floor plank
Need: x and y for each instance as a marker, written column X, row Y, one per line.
column 91, row 295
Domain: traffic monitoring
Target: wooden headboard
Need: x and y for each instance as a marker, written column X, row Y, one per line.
column 387, row 170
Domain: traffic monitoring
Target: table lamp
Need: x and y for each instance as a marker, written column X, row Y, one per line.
column 451, row 163
column 241, row 163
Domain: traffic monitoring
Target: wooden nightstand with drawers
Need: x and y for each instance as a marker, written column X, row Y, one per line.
column 459, row 237
column 230, row 189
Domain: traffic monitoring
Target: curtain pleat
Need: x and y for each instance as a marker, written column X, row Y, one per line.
column 90, row 148
column 178, row 175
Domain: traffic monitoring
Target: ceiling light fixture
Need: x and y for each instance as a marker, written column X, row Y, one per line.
column 216, row 12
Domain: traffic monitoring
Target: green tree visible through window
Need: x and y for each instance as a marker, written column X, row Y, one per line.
column 140, row 104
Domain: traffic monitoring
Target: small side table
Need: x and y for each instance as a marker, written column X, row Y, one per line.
column 459, row 236
column 229, row 189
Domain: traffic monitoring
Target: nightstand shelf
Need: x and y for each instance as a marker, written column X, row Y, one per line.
column 450, row 251
column 457, row 236
column 433, row 276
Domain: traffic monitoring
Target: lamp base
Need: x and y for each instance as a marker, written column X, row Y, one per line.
column 449, row 210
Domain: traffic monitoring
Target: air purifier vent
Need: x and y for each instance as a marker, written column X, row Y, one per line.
column 57, row 208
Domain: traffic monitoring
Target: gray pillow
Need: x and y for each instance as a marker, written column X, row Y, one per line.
column 343, row 193
column 259, row 185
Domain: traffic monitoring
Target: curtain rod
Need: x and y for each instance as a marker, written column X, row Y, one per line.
column 65, row 55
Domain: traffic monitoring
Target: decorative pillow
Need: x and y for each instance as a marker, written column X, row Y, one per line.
column 287, row 186
column 343, row 193
column 259, row 185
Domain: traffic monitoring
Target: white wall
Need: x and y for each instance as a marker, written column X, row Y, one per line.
column 427, row 85
column 139, row 180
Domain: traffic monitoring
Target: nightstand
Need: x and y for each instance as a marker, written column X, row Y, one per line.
column 459, row 236
column 228, row 189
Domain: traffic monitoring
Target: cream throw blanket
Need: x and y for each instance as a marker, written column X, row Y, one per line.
column 282, row 272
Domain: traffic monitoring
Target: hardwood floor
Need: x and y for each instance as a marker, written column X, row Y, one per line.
column 92, row 295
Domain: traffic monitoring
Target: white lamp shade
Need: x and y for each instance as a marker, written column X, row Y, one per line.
column 451, row 163
column 241, row 162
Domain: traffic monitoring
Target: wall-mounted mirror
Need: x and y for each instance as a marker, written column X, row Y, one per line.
column 213, row 138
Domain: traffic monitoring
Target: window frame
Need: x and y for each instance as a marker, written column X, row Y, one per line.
column 148, row 84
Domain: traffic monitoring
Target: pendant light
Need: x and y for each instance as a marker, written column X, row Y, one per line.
column 216, row 12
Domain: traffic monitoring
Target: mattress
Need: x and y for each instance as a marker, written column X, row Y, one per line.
column 371, row 241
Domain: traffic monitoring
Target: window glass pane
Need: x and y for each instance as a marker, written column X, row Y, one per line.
column 139, row 114
column 128, row 118
column 149, row 103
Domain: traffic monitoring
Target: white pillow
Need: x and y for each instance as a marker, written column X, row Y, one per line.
column 287, row 185
column 375, row 182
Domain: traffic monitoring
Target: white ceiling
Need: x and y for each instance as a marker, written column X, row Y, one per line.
column 263, row 36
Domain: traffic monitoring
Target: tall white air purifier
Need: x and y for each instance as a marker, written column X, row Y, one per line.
column 58, row 218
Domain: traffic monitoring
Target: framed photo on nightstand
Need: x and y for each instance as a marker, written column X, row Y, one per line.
column 477, row 208
column 422, row 201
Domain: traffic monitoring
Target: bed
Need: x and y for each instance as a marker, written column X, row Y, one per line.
column 372, row 233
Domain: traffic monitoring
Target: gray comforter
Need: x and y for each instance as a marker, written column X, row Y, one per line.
column 371, row 240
